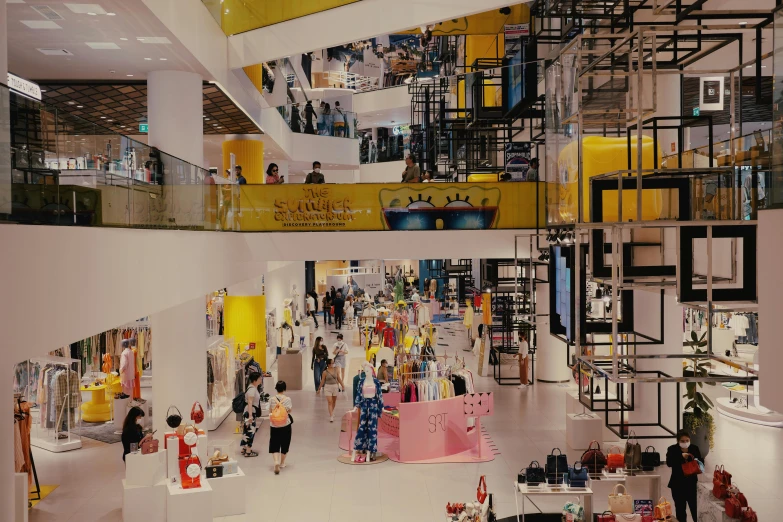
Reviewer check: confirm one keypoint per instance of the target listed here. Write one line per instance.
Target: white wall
(388, 172)
(326, 149)
(381, 100)
(279, 280)
(770, 277)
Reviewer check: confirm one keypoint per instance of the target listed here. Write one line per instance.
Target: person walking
(251, 413)
(309, 114)
(312, 309)
(295, 119)
(411, 174)
(683, 488)
(332, 383)
(332, 293)
(339, 121)
(340, 354)
(280, 437)
(318, 362)
(349, 312)
(522, 352)
(339, 310)
(327, 304)
(315, 177)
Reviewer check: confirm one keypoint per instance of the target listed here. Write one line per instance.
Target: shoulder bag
(650, 459)
(628, 517)
(721, 480)
(749, 516)
(197, 413)
(663, 509)
(173, 419)
(620, 502)
(577, 475)
(593, 458)
(633, 452)
(606, 516)
(481, 495)
(556, 466)
(190, 472)
(691, 467)
(534, 473)
(732, 506)
(615, 460)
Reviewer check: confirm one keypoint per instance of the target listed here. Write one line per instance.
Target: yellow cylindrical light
(249, 153)
(245, 322)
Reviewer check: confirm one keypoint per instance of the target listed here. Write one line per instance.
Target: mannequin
(294, 301)
(285, 338)
(288, 313)
(468, 320)
(127, 367)
(370, 404)
(433, 288)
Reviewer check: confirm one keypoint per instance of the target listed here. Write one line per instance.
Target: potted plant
(696, 418)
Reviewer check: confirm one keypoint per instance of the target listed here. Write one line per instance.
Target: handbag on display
(627, 517)
(481, 496)
(606, 516)
(647, 514)
(574, 508)
(190, 472)
(593, 458)
(521, 478)
(615, 460)
(214, 471)
(650, 459)
(691, 467)
(633, 452)
(749, 516)
(535, 473)
(620, 502)
(577, 475)
(197, 413)
(732, 506)
(556, 466)
(663, 510)
(149, 445)
(173, 419)
(217, 459)
(721, 480)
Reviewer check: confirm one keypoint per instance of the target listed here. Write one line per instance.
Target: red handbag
(721, 480)
(190, 480)
(615, 461)
(481, 496)
(691, 467)
(733, 507)
(197, 413)
(749, 516)
(606, 516)
(593, 458)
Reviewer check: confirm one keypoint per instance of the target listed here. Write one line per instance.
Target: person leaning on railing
(272, 176)
(411, 174)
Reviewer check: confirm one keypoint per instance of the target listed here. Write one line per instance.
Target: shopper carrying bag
(280, 421)
(683, 487)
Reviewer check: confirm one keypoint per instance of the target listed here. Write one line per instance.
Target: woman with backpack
(252, 411)
(280, 421)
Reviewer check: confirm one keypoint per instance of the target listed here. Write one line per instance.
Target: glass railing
(308, 118)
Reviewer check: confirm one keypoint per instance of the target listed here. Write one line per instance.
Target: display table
(97, 409)
(144, 503)
(145, 470)
(390, 422)
(640, 485)
(228, 494)
(172, 456)
(289, 369)
(191, 505)
(709, 508)
(749, 413)
(524, 491)
(582, 429)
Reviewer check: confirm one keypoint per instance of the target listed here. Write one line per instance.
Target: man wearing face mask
(315, 177)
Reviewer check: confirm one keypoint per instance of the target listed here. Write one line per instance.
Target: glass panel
(774, 193)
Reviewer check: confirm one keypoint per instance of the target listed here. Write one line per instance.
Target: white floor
(526, 426)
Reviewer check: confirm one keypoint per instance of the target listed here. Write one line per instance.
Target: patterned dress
(371, 409)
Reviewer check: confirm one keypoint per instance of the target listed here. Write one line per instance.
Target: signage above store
(516, 30)
(24, 87)
(144, 127)
(696, 111)
(401, 129)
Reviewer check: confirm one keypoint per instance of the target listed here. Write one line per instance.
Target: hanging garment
(127, 371)
(371, 409)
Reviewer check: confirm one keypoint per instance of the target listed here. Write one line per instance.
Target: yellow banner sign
(419, 206)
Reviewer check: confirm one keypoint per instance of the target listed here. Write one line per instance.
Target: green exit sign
(696, 111)
(144, 127)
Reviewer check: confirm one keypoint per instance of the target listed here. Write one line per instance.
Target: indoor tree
(697, 419)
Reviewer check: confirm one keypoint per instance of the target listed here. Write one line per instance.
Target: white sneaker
(522, 387)
(331, 419)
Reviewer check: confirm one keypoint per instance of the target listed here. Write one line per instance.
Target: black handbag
(556, 466)
(214, 471)
(173, 419)
(535, 474)
(650, 459)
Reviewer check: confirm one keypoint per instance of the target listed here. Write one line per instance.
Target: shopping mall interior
(562, 319)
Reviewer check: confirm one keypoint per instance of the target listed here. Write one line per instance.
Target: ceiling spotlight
(103, 117)
(148, 59)
(80, 106)
(163, 59)
(109, 120)
(111, 14)
(124, 39)
(92, 14)
(129, 75)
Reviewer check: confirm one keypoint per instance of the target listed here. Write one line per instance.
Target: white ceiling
(131, 20)
(385, 118)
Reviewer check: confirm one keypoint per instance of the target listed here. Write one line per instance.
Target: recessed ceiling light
(103, 117)
(92, 14)
(129, 75)
(148, 59)
(102, 46)
(109, 120)
(153, 39)
(226, 11)
(124, 39)
(214, 124)
(71, 103)
(207, 119)
(163, 59)
(90, 9)
(80, 106)
(140, 39)
(40, 24)
(111, 14)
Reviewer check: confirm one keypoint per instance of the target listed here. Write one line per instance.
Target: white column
(180, 374)
(3, 43)
(7, 442)
(5, 136)
(770, 252)
(551, 353)
(175, 114)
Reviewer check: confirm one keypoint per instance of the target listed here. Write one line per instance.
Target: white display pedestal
(583, 428)
(144, 503)
(217, 415)
(57, 446)
(708, 507)
(639, 486)
(21, 492)
(120, 412)
(229, 492)
(574, 406)
(189, 505)
(145, 470)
